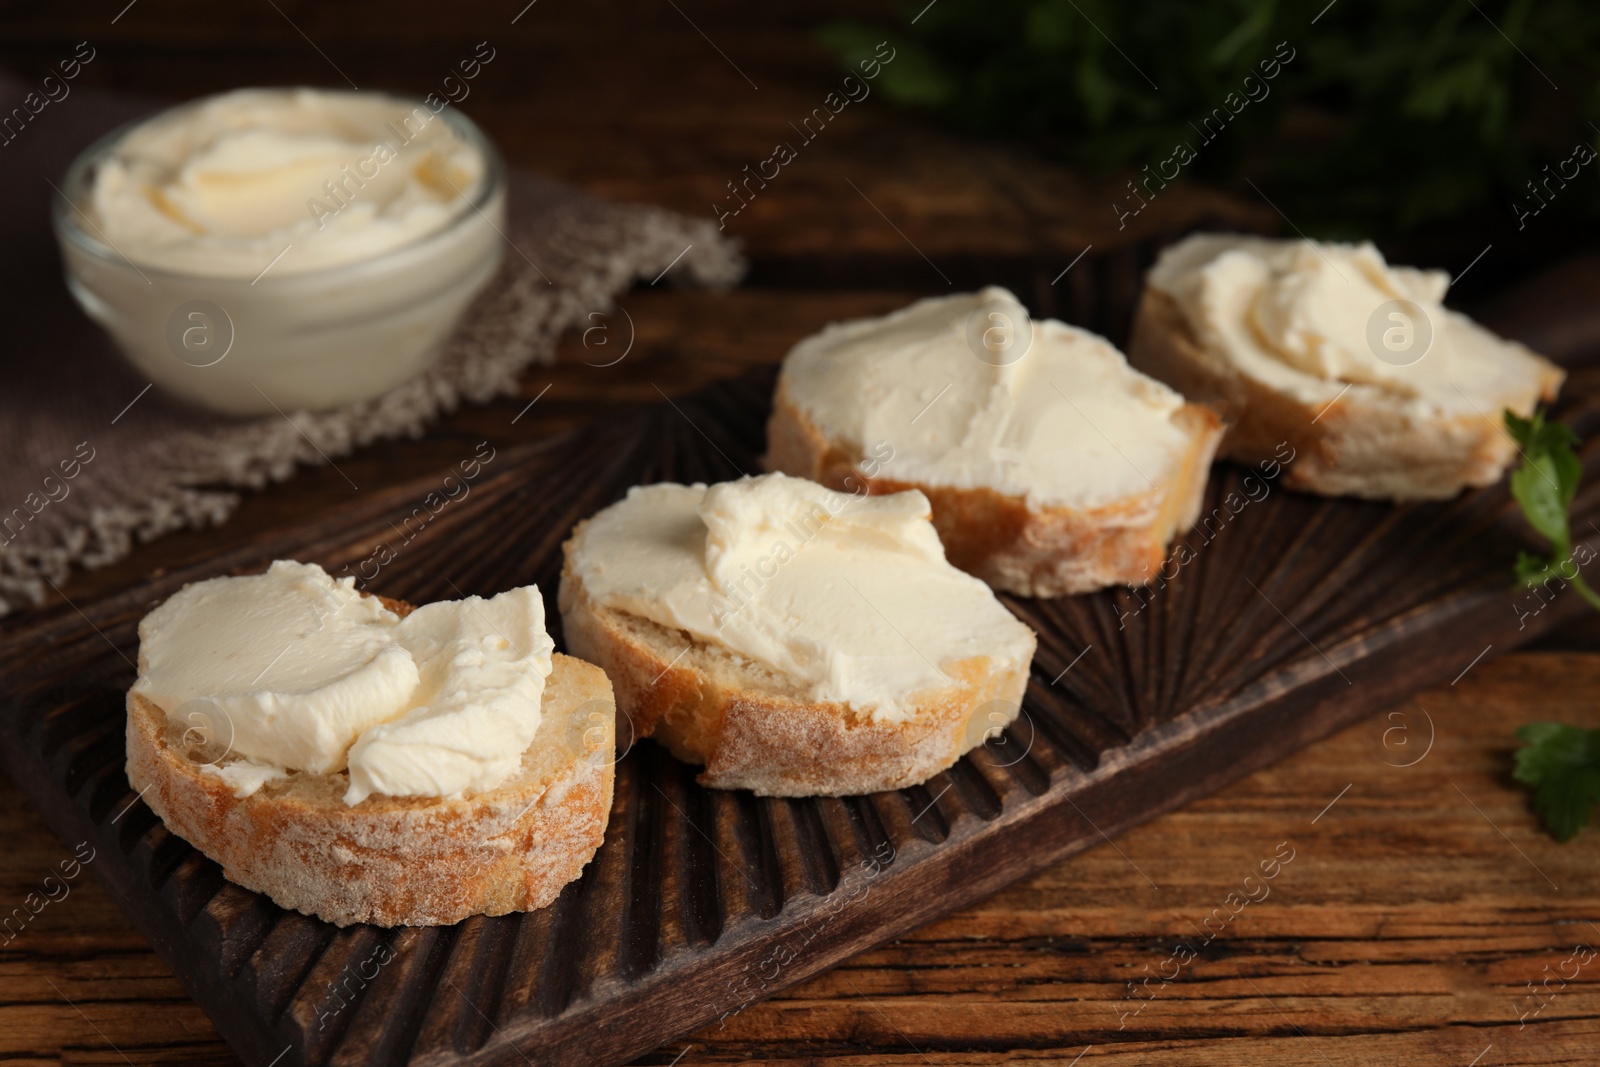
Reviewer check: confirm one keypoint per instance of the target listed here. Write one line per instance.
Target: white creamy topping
(1067, 422)
(1308, 318)
(293, 670)
(245, 776)
(483, 664)
(222, 186)
(849, 597)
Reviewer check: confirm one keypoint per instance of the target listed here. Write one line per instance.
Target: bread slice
(1357, 440)
(753, 729)
(398, 861)
(1038, 551)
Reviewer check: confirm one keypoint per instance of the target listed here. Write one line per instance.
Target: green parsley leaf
(1562, 764)
(1535, 486)
(1544, 484)
(1548, 479)
(1533, 570)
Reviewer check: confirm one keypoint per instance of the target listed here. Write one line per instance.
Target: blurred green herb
(1544, 484)
(1562, 764)
(1392, 114)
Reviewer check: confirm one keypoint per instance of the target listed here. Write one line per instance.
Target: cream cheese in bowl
(282, 249)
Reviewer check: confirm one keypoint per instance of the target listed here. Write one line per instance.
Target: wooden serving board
(1296, 616)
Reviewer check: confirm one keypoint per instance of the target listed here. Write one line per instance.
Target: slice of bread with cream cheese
(1051, 465)
(792, 639)
(361, 760)
(1329, 354)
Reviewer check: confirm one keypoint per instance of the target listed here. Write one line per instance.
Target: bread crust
(1363, 443)
(392, 861)
(1031, 551)
(710, 707)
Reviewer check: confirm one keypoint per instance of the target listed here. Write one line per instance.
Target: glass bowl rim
(65, 212)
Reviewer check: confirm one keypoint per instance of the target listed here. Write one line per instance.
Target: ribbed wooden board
(1299, 616)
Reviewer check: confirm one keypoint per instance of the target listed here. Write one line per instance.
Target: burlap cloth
(163, 465)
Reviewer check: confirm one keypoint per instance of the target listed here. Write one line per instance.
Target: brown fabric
(161, 464)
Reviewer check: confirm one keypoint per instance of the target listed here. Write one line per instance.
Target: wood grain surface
(702, 902)
(1418, 908)
(1407, 929)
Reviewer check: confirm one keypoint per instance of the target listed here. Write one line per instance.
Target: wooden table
(1423, 903)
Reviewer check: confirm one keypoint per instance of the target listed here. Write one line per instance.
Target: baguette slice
(753, 729)
(1028, 550)
(399, 861)
(1351, 440)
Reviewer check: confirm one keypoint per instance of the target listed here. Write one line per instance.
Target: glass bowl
(307, 340)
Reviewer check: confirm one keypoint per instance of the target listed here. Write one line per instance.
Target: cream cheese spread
(223, 186)
(1310, 318)
(1059, 418)
(293, 670)
(849, 597)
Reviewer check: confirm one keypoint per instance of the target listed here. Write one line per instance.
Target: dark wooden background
(1422, 907)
